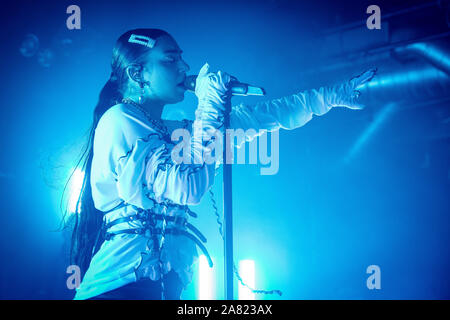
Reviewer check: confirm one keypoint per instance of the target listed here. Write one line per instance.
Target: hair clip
(145, 41)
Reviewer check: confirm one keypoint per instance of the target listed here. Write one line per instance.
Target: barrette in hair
(145, 41)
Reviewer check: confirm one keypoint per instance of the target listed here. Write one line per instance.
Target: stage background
(354, 188)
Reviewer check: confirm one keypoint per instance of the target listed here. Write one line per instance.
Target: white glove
(212, 87)
(346, 94)
(212, 91)
(296, 110)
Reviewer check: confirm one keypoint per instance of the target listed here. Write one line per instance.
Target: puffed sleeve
(289, 112)
(140, 157)
(181, 183)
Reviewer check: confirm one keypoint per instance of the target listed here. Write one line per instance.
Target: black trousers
(146, 290)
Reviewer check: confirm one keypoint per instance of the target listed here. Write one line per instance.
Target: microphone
(237, 88)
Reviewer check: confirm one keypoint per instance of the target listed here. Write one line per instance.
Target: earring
(141, 97)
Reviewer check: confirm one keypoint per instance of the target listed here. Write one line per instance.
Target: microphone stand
(227, 206)
(242, 89)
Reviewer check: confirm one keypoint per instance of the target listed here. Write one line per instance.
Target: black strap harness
(149, 219)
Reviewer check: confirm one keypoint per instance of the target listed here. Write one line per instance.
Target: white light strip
(247, 273)
(75, 188)
(205, 280)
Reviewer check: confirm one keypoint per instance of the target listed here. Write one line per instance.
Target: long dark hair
(87, 220)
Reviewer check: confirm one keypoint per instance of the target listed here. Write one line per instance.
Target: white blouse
(132, 170)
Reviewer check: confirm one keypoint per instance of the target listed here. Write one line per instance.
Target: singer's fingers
(364, 78)
(225, 77)
(204, 70)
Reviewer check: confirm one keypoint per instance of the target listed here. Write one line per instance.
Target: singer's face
(166, 71)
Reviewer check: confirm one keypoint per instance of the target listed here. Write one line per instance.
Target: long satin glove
(296, 110)
(212, 91)
(347, 94)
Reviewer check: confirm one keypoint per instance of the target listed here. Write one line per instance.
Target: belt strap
(146, 217)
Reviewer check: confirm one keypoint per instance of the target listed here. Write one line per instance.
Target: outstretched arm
(294, 111)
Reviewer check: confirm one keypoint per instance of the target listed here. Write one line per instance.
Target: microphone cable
(236, 272)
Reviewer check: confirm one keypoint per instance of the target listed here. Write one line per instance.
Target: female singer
(132, 238)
